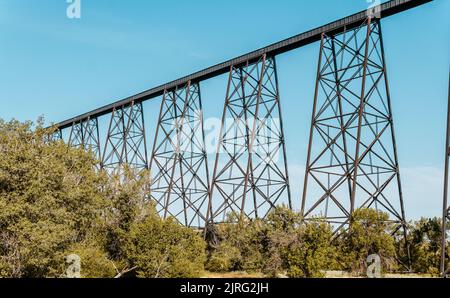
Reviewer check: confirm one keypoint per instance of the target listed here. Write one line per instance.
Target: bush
(53, 202)
(370, 233)
(299, 250)
(95, 262)
(310, 253)
(425, 245)
(50, 199)
(278, 245)
(240, 246)
(164, 248)
(281, 231)
(126, 207)
(224, 258)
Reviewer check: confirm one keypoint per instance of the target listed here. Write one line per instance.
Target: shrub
(370, 233)
(224, 258)
(240, 246)
(273, 246)
(310, 253)
(299, 250)
(164, 248)
(95, 262)
(50, 199)
(281, 231)
(126, 207)
(425, 245)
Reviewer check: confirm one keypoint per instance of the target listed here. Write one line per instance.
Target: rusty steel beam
(384, 10)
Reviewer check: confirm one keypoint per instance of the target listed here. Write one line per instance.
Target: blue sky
(59, 67)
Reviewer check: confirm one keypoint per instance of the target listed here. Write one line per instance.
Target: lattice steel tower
(250, 174)
(180, 184)
(352, 158)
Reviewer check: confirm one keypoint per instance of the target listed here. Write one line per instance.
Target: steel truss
(54, 136)
(445, 270)
(180, 184)
(85, 134)
(250, 173)
(125, 141)
(352, 158)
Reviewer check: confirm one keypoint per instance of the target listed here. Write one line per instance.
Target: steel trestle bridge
(352, 157)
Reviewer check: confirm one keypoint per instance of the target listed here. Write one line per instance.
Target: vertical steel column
(446, 208)
(180, 184)
(352, 158)
(250, 171)
(125, 140)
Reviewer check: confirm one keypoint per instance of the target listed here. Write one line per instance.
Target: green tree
(164, 248)
(299, 250)
(281, 231)
(310, 253)
(276, 245)
(370, 233)
(141, 243)
(50, 199)
(95, 261)
(425, 245)
(240, 245)
(54, 203)
(125, 193)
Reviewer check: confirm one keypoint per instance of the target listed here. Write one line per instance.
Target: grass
(328, 274)
(233, 274)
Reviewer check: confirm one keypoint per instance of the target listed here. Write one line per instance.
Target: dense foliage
(425, 245)
(50, 199)
(164, 249)
(276, 246)
(371, 233)
(55, 203)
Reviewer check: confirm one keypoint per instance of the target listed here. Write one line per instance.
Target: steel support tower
(180, 183)
(125, 141)
(352, 158)
(85, 134)
(250, 174)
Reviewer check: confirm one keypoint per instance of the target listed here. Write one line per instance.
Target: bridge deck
(297, 41)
